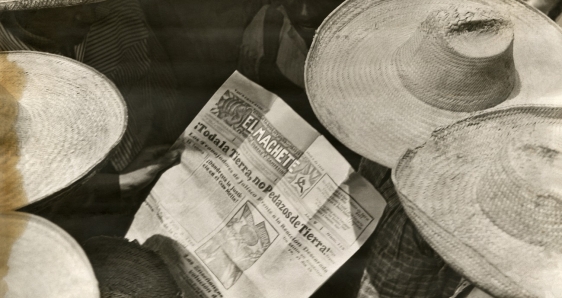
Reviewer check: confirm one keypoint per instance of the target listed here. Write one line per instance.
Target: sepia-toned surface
(168, 57)
(260, 204)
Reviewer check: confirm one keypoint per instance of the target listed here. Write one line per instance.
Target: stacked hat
(59, 120)
(486, 194)
(382, 75)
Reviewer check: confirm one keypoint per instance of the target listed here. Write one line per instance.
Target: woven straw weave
(486, 194)
(37, 4)
(382, 75)
(69, 119)
(41, 260)
(125, 269)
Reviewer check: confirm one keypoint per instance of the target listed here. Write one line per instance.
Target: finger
(179, 145)
(173, 157)
(177, 156)
(168, 160)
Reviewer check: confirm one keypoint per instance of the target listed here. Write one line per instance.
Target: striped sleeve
(123, 47)
(8, 42)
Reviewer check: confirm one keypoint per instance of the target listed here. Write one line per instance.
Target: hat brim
(438, 186)
(39, 4)
(357, 94)
(69, 120)
(42, 260)
(127, 269)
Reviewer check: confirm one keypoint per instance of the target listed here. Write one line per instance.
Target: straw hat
(38, 259)
(382, 75)
(59, 119)
(126, 269)
(485, 193)
(37, 4)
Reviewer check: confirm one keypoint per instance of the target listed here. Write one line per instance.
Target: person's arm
(104, 185)
(151, 162)
(111, 192)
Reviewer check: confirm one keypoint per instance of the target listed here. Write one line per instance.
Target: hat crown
(459, 59)
(540, 166)
(522, 192)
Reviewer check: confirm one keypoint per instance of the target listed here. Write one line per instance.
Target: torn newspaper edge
(260, 205)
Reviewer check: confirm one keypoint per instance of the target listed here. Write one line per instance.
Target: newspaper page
(260, 205)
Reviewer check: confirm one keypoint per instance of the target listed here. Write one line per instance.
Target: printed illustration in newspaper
(260, 205)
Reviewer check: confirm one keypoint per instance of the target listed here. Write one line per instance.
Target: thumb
(168, 160)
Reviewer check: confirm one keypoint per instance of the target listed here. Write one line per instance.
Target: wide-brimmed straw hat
(59, 119)
(382, 75)
(486, 194)
(38, 4)
(38, 259)
(127, 269)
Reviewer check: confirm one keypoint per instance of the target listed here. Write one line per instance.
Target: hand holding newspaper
(260, 205)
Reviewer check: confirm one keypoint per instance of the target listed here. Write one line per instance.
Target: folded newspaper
(261, 205)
